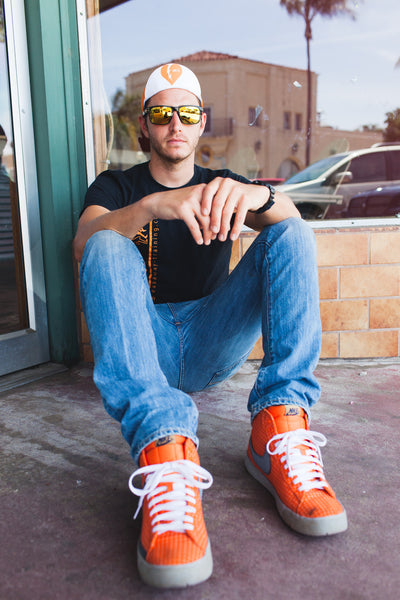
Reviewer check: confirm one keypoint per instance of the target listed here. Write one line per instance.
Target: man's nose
(175, 122)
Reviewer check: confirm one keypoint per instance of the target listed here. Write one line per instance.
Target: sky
(358, 82)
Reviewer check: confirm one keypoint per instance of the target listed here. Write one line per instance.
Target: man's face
(175, 141)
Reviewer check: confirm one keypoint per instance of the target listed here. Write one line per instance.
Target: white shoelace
(304, 467)
(171, 510)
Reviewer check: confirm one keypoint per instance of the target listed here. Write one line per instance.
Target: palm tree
(125, 111)
(308, 9)
(122, 124)
(2, 33)
(392, 131)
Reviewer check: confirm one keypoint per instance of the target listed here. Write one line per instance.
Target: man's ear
(143, 126)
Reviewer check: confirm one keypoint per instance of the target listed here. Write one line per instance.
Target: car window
(315, 170)
(379, 205)
(395, 163)
(369, 167)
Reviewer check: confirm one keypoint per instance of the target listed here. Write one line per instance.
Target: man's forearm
(126, 221)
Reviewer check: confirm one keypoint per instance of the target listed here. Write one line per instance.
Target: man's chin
(174, 157)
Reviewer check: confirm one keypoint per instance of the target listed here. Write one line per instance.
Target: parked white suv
(324, 189)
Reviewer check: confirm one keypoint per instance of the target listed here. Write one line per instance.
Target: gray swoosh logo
(262, 462)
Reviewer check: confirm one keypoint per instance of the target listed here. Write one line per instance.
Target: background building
(256, 116)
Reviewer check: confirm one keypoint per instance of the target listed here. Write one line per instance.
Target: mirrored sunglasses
(162, 115)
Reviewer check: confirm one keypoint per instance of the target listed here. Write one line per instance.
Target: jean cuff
(136, 452)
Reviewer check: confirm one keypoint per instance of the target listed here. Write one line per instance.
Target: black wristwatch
(270, 202)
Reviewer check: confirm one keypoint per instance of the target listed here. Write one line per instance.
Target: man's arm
(127, 221)
(183, 204)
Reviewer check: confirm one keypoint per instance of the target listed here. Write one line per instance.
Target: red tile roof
(205, 55)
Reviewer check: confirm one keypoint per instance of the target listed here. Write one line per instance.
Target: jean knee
(109, 255)
(293, 231)
(104, 242)
(109, 246)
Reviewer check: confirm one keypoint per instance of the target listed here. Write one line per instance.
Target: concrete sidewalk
(66, 527)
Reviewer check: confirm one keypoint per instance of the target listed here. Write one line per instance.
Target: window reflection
(13, 311)
(255, 94)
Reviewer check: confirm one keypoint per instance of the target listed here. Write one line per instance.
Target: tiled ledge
(359, 278)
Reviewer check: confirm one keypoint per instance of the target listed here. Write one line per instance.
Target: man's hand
(227, 198)
(224, 198)
(207, 209)
(184, 204)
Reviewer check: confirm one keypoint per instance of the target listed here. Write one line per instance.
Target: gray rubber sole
(175, 576)
(318, 526)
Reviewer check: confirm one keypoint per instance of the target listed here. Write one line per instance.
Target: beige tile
(344, 315)
(246, 243)
(235, 255)
(363, 282)
(84, 332)
(329, 348)
(328, 278)
(384, 312)
(87, 354)
(336, 249)
(385, 247)
(257, 352)
(368, 344)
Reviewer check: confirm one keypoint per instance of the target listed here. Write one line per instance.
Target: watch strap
(269, 203)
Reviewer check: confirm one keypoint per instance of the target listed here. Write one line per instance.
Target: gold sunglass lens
(160, 115)
(190, 115)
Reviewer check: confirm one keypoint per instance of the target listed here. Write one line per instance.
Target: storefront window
(252, 64)
(13, 313)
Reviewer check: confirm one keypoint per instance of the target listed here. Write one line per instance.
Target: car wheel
(310, 212)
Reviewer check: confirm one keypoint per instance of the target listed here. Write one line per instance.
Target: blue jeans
(148, 357)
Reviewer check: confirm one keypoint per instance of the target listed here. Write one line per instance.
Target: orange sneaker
(173, 550)
(284, 456)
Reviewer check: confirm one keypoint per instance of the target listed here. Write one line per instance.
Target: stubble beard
(169, 158)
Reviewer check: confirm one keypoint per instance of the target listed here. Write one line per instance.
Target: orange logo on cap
(171, 72)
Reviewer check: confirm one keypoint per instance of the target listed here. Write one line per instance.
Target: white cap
(171, 76)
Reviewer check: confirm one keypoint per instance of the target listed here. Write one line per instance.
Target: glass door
(23, 320)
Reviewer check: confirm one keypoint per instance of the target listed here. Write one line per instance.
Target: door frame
(29, 346)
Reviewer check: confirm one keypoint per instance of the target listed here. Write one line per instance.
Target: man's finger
(238, 223)
(209, 192)
(226, 215)
(194, 227)
(222, 200)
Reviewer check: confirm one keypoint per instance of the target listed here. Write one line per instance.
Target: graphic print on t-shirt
(142, 237)
(148, 236)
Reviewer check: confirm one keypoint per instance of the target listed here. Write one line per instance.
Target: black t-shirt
(178, 269)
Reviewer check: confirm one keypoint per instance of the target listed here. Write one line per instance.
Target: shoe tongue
(288, 417)
(165, 449)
